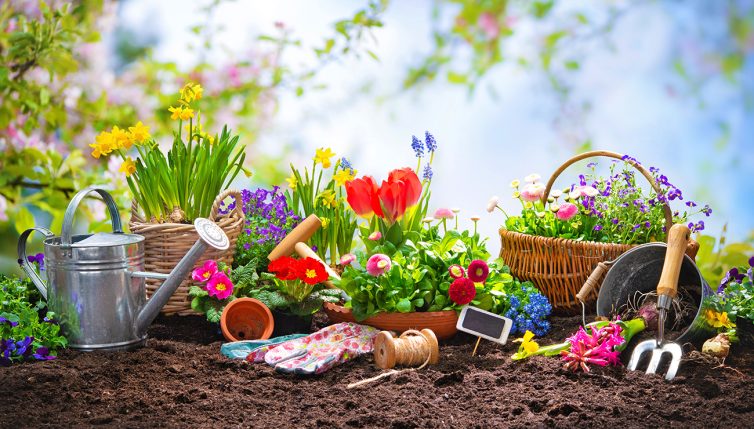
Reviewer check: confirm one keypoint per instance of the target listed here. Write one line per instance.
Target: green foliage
(612, 209)
(189, 178)
(21, 304)
(715, 256)
(310, 195)
(418, 279)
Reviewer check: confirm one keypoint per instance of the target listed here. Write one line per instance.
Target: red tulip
(393, 199)
(414, 186)
(362, 197)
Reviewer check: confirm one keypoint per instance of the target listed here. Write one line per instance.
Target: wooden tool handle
(301, 233)
(303, 250)
(593, 281)
(678, 240)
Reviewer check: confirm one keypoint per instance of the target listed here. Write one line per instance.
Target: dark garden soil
(181, 380)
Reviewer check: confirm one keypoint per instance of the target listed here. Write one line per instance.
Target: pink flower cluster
(598, 348)
(217, 282)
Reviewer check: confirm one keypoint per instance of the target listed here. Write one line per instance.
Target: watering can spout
(210, 235)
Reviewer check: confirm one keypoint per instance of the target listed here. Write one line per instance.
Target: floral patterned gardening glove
(320, 351)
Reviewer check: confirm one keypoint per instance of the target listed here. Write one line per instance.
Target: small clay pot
(287, 324)
(246, 319)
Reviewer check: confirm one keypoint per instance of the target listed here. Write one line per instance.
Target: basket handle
(238, 210)
(609, 154)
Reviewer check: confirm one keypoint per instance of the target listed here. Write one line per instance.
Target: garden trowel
(667, 290)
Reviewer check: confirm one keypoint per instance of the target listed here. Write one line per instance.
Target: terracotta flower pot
(442, 323)
(246, 319)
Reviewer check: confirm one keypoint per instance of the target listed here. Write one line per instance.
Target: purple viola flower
(690, 203)
(707, 210)
(430, 141)
(615, 221)
(8, 321)
(637, 226)
(731, 275)
(23, 347)
(43, 353)
(247, 246)
(647, 224)
(598, 227)
(654, 169)
(591, 165)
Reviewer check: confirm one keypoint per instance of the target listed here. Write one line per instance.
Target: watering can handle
(24, 262)
(70, 212)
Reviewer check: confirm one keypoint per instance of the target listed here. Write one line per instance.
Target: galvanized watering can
(95, 282)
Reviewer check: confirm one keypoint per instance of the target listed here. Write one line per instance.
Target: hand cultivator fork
(667, 290)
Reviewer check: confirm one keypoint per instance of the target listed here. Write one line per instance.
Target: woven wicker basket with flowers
(172, 189)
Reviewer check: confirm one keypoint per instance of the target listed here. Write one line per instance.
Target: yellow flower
(718, 320)
(292, 182)
(128, 167)
(211, 139)
(327, 198)
(139, 133)
(323, 156)
(103, 144)
(121, 139)
(175, 112)
(187, 113)
(527, 344)
(344, 176)
(191, 92)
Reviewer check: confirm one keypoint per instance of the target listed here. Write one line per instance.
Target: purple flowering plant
(268, 221)
(612, 209)
(24, 334)
(735, 295)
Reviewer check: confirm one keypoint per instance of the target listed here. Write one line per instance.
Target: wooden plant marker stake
(484, 324)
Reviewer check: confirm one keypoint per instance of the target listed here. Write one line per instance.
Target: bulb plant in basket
(181, 185)
(611, 209)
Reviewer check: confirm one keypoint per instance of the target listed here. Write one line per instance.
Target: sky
(486, 140)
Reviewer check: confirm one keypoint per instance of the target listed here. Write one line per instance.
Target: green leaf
(404, 306)
(24, 219)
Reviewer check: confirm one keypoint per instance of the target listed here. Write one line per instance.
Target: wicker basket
(166, 243)
(559, 267)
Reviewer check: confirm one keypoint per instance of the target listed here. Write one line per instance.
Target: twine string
(411, 349)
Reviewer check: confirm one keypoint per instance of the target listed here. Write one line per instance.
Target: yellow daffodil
(103, 144)
(527, 344)
(128, 167)
(323, 156)
(139, 133)
(292, 182)
(209, 138)
(344, 176)
(183, 113)
(121, 139)
(175, 112)
(191, 92)
(327, 198)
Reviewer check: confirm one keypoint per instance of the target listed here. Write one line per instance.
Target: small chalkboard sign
(484, 324)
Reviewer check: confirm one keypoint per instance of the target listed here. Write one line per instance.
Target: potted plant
(409, 275)
(561, 235)
(172, 189)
